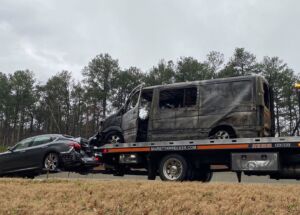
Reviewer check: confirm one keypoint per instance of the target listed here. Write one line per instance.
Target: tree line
(76, 107)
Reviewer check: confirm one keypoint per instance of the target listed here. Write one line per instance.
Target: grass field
(142, 197)
(3, 148)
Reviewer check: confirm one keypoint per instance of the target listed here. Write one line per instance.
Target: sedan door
(5, 162)
(16, 158)
(37, 151)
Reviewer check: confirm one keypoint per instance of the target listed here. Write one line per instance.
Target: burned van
(219, 108)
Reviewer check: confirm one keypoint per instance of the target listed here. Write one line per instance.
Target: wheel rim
(51, 162)
(173, 169)
(114, 139)
(222, 135)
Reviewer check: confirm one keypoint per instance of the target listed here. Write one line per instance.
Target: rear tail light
(104, 151)
(75, 145)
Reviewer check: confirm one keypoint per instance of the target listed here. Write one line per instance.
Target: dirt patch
(132, 197)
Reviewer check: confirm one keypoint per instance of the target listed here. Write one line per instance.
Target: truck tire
(204, 176)
(151, 170)
(173, 167)
(119, 171)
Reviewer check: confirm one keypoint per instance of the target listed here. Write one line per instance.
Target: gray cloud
(50, 36)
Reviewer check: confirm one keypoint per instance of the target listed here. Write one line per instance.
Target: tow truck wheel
(173, 168)
(204, 176)
(119, 171)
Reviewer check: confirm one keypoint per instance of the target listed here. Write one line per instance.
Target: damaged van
(219, 108)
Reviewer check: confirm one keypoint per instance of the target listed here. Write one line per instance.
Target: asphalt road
(217, 177)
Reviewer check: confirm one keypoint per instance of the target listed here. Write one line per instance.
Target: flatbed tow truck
(189, 160)
(278, 157)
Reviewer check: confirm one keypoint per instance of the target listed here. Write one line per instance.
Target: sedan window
(24, 144)
(42, 140)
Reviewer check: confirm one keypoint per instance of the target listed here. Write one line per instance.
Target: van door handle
(22, 151)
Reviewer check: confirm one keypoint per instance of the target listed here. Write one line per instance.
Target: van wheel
(173, 167)
(113, 137)
(223, 133)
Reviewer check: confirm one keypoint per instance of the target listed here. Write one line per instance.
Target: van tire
(113, 137)
(223, 132)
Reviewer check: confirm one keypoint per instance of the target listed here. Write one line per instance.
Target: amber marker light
(297, 86)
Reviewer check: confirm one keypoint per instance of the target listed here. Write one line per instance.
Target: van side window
(178, 98)
(190, 97)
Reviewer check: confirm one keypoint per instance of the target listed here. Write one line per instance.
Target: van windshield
(132, 102)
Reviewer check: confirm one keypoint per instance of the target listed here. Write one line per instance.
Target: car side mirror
(10, 149)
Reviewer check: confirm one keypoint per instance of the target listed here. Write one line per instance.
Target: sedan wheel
(51, 161)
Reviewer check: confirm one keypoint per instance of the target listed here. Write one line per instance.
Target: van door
(176, 114)
(130, 117)
(187, 116)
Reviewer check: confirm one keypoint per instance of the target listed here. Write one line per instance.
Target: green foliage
(214, 62)
(124, 83)
(242, 63)
(190, 69)
(281, 79)
(163, 73)
(99, 77)
(56, 102)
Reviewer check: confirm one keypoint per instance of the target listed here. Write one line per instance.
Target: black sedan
(38, 154)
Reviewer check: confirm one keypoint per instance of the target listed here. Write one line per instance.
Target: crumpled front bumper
(96, 139)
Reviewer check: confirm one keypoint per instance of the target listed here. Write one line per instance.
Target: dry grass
(142, 197)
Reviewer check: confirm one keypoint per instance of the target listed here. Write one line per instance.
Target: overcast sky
(49, 36)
